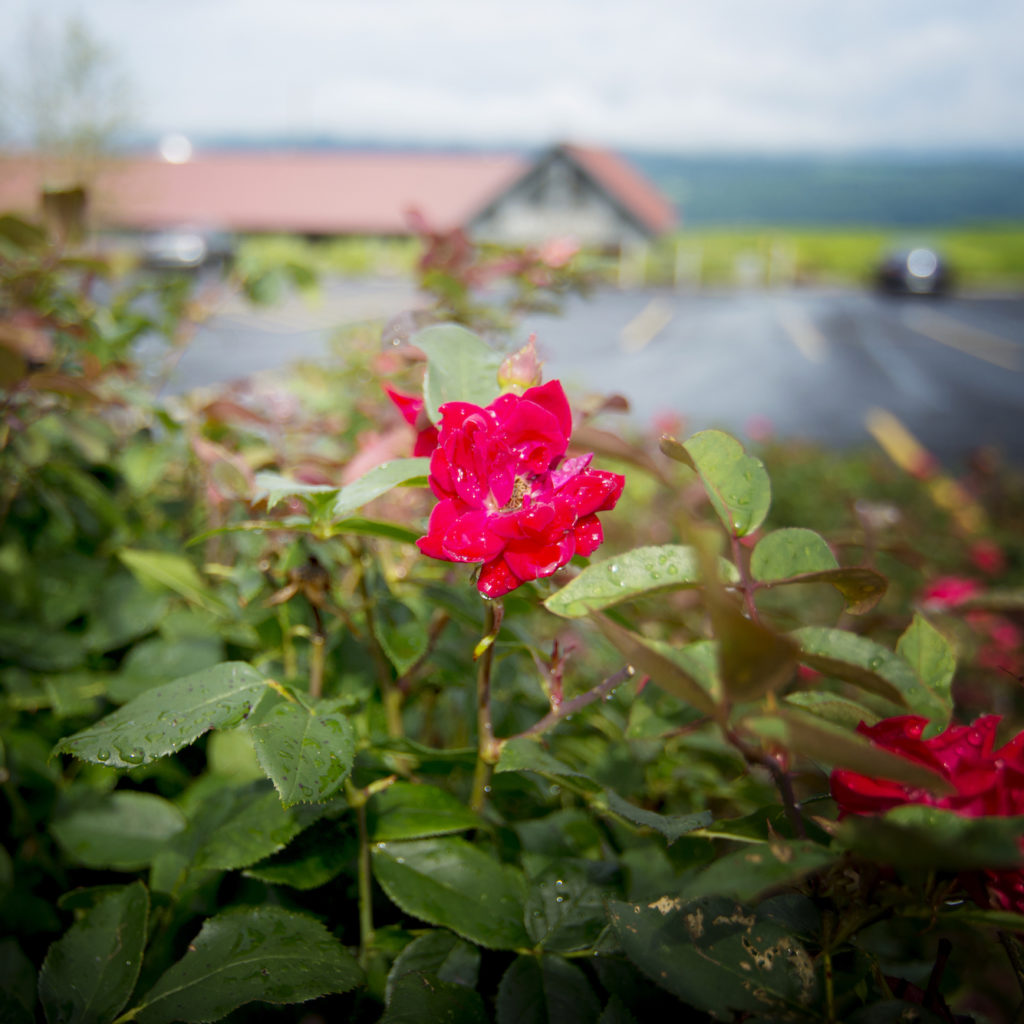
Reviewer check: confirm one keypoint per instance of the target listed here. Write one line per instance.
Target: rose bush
(986, 781)
(509, 497)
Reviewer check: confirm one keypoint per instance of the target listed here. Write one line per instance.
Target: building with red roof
(590, 195)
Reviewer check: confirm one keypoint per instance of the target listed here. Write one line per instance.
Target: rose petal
(551, 396)
(469, 539)
(530, 560)
(408, 405)
(589, 534)
(497, 579)
(441, 518)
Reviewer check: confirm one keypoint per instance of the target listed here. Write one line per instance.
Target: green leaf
(236, 827)
(717, 956)
(263, 953)
(801, 556)
(746, 873)
(753, 659)
(616, 1013)
(90, 971)
(167, 718)
(17, 984)
(930, 655)
(120, 831)
(669, 826)
(378, 481)
(450, 883)
(403, 636)
(173, 572)
(833, 745)
(834, 709)
(306, 752)
(160, 660)
(1005, 920)
(275, 488)
(123, 610)
(917, 836)
(460, 368)
(376, 528)
(440, 954)
(782, 554)
(874, 668)
(564, 909)
(525, 755)
(317, 855)
(636, 573)
(406, 810)
(546, 990)
(895, 1011)
(736, 483)
(424, 998)
(644, 656)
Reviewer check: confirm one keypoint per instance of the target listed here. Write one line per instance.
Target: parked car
(918, 271)
(187, 248)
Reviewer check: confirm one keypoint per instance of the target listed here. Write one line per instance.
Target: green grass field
(981, 257)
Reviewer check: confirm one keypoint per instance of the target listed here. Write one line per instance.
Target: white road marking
(802, 331)
(647, 324)
(984, 345)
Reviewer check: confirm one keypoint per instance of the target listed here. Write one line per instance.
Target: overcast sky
(677, 75)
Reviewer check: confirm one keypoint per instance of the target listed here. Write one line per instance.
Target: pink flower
(509, 498)
(948, 591)
(988, 557)
(415, 414)
(986, 782)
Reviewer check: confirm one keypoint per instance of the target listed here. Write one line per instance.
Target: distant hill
(883, 190)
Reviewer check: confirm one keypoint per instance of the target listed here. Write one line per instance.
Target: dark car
(187, 248)
(919, 271)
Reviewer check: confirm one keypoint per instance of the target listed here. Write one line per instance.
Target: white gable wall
(556, 200)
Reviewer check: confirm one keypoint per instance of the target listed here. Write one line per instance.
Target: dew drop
(613, 568)
(102, 755)
(134, 756)
(559, 899)
(487, 789)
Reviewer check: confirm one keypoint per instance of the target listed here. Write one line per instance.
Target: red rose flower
(986, 782)
(947, 592)
(413, 412)
(508, 496)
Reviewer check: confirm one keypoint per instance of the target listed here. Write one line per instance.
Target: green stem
(780, 777)
(391, 695)
(357, 798)
(1015, 951)
(747, 582)
(316, 665)
(288, 655)
(488, 750)
(570, 707)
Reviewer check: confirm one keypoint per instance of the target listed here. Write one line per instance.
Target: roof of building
(322, 193)
(622, 181)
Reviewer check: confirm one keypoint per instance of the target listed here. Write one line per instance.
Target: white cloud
(660, 73)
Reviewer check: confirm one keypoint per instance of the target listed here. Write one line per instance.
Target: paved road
(813, 363)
